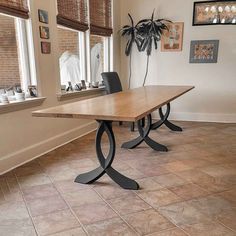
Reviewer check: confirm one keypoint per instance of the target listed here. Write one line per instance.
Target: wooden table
(132, 105)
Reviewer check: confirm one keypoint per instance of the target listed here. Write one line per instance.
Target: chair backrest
(112, 82)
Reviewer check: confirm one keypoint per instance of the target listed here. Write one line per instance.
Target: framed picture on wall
(204, 51)
(45, 47)
(44, 32)
(214, 13)
(172, 39)
(43, 16)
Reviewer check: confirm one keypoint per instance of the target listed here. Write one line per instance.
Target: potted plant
(19, 94)
(131, 33)
(145, 33)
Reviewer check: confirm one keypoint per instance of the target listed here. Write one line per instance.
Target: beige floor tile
(33, 180)
(113, 227)
(55, 222)
(189, 191)
(45, 205)
(153, 170)
(13, 211)
(169, 180)
(176, 166)
(39, 191)
(20, 227)
(207, 228)
(66, 186)
(170, 232)
(31, 168)
(230, 196)
(182, 213)
(127, 205)
(193, 176)
(148, 221)
(217, 170)
(71, 232)
(91, 213)
(159, 198)
(133, 174)
(112, 190)
(210, 206)
(228, 218)
(82, 197)
(148, 184)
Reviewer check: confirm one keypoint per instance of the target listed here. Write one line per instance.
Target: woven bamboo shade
(100, 17)
(73, 14)
(17, 8)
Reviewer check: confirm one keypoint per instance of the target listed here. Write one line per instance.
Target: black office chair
(113, 85)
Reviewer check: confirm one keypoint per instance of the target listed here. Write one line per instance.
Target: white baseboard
(200, 117)
(32, 152)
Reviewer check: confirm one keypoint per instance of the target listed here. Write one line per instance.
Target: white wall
(23, 137)
(214, 98)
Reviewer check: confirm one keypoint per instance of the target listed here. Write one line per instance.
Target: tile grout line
(31, 217)
(161, 214)
(69, 207)
(218, 221)
(116, 212)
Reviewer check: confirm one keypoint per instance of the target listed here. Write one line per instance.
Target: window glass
(69, 56)
(10, 73)
(97, 45)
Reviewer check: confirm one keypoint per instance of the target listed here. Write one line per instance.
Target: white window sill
(16, 106)
(82, 93)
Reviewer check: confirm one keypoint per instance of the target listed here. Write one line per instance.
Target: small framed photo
(44, 32)
(204, 51)
(43, 16)
(172, 39)
(45, 47)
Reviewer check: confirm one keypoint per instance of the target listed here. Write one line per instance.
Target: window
(83, 54)
(71, 56)
(16, 70)
(72, 23)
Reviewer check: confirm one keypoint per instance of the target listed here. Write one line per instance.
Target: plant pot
(4, 99)
(20, 96)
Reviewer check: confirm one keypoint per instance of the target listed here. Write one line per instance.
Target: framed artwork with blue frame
(204, 51)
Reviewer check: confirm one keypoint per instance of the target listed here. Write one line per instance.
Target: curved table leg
(122, 180)
(91, 176)
(132, 144)
(164, 120)
(106, 162)
(144, 132)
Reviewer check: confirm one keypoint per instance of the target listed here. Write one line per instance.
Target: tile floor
(191, 190)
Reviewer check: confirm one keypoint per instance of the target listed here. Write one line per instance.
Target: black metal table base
(144, 132)
(106, 162)
(164, 120)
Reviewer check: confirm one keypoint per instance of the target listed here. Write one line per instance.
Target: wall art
(204, 51)
(214, 13)
(45, 47)
(44, 32)
(172, 39)
(43, 16)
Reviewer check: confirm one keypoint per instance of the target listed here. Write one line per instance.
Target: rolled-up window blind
(17, 8)
(73, 14)
(100, 12)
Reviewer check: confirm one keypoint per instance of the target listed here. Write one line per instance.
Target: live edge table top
(130, 105)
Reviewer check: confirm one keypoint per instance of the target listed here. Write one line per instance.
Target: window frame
(25, 51)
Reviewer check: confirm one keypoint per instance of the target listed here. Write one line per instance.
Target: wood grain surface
(130, 105)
